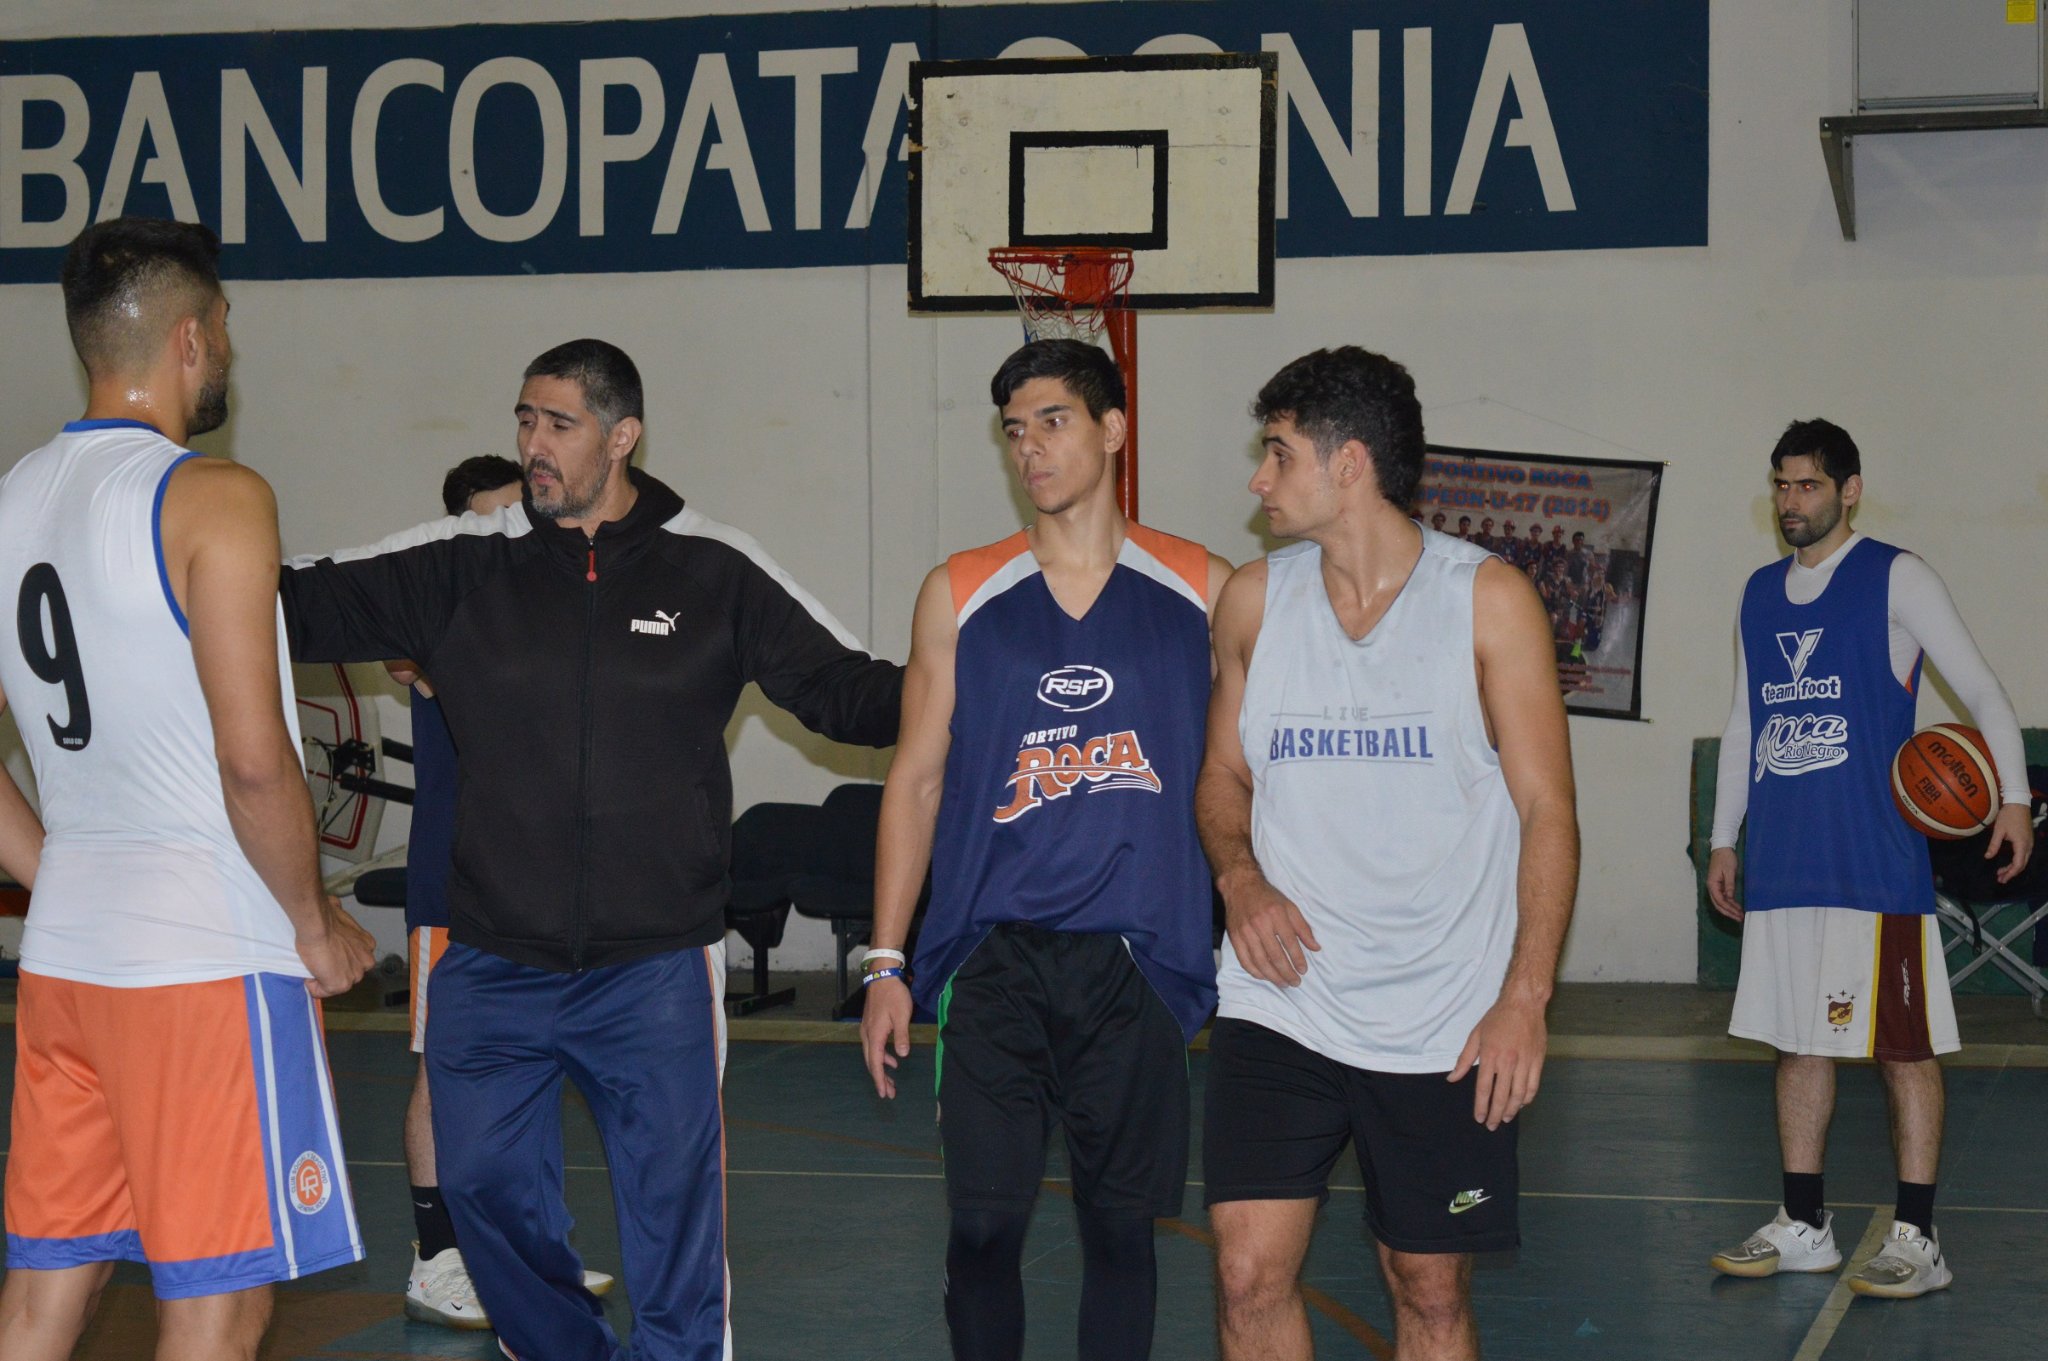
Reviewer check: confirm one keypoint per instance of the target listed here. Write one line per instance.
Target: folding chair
(1968, 895)
(1967, 930)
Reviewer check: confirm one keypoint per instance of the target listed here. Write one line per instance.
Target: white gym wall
(858, 445)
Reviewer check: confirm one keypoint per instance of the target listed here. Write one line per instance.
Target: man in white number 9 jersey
(172, 1104)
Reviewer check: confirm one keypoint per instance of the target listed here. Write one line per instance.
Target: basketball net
(1082, 293)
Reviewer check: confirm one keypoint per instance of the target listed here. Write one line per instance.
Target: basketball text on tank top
(1380, 811)
(1070, 785)
(1826, 715)
(142, 882)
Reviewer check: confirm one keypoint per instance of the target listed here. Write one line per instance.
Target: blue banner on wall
(775, 140)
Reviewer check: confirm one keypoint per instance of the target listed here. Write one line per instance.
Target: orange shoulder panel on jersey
(1187, 560)
(967, 571)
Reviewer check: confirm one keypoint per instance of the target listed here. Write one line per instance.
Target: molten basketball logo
(311, 1186)
(1944, 783)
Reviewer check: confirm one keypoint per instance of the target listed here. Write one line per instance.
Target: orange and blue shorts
(424, 946)
(189, 1127)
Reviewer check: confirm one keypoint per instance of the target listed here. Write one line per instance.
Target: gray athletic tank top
(1379, 809)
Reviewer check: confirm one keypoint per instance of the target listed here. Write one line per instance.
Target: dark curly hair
(1087, 370)
(1825, 443)
(1351, 393)
(484, 472)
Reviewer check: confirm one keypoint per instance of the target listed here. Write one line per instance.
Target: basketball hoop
(1067, 292)
(1078, 293)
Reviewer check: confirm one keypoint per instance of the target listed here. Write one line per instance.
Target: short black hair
(1826, 443)
(607, 375)
(1351, 393)
(127, 279)
(1088, 371)
(485, 472)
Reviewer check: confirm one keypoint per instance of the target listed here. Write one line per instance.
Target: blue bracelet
(883, 973)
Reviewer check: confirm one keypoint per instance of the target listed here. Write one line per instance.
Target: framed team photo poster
(1581, 529)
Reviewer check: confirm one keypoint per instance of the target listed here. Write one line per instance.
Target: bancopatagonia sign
(777, 140)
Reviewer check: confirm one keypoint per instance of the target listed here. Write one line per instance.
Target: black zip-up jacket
(588, 683)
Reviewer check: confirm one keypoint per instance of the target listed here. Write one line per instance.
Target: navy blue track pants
(645, 1044)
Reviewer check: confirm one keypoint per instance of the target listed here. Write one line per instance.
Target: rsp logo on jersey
(1075, 689)
(1111, 761)
(311, 1185)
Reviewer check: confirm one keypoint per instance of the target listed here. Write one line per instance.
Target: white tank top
(1379, 809)
(142, 882)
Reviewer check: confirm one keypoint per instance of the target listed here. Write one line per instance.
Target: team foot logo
(1466, 1200)
(311, 1185)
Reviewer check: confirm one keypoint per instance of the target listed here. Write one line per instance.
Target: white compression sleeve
(1731, 783)
(1922, 608)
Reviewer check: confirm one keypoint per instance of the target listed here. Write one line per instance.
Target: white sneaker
(1784, 1244)
(1909, 1264)
(439, 1291)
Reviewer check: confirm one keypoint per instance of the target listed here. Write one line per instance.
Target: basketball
(1944, 783)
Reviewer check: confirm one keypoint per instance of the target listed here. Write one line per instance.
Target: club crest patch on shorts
(311, 1185)
(1841, 1010)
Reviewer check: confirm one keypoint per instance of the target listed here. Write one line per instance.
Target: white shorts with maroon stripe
(1842, 983)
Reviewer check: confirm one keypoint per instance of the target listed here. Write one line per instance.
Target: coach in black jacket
(588, 648)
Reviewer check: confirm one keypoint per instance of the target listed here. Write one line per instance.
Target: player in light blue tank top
(1052, 736)
(1387, 801)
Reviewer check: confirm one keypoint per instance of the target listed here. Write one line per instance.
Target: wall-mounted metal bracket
(1838, 134)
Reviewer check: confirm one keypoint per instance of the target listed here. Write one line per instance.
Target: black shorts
(1278, 1115)
(1041, 1026)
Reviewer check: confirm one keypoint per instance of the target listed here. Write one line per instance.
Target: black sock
(430, 1221)
(1916, 1206)
(985, 1284)
(1803, 1197)
(1119, 1287)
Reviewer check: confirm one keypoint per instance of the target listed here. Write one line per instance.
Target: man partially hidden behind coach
(616, 627)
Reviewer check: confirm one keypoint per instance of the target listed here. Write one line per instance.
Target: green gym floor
(1651, 1146)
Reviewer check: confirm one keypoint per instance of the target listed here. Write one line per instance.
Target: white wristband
(873, 955)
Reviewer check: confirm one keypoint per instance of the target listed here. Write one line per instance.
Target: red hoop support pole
(1122, 325)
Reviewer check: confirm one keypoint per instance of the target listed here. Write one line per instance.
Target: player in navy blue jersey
(1052, 733)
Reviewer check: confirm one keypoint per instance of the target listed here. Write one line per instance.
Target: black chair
(1969, 897)
(381, 888)
(770, 843)
(838, 884)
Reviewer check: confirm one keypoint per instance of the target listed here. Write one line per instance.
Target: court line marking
(1620, 1048)
(1335, 1188)
(1837, 1305)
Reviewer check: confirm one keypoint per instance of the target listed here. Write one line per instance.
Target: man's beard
(1815, 527)
(211, 411)
(569, 506)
